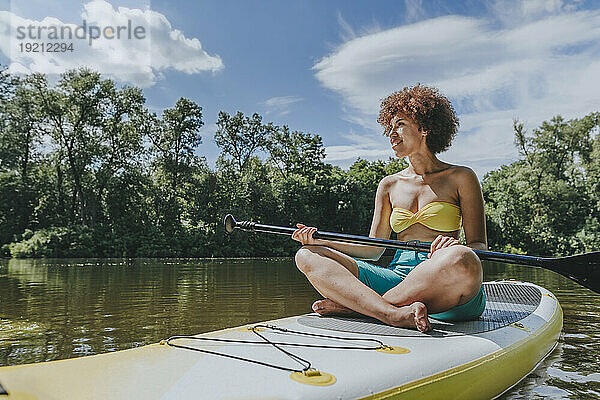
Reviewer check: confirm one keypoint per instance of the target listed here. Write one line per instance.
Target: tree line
(87, 170)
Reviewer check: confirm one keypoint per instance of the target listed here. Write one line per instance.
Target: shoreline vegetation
(87, 170)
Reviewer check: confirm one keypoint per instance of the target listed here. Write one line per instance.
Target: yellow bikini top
(438, 215)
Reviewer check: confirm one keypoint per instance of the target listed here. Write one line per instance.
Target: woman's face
(405, 137)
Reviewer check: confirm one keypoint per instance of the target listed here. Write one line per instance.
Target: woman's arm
(380, 228)
(471, 205)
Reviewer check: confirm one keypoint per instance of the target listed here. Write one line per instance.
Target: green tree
(294, 152)
(24, 128)
(541, 204)
(22, 131)
(175, 139)
(74, 120)
(120, 149)
(240, 137)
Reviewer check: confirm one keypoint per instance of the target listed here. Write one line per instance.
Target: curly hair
(431, 110)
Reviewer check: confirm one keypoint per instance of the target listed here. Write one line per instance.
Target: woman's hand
(441, 242)
(304, 234)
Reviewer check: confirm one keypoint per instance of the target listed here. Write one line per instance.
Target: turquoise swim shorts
(382, 279)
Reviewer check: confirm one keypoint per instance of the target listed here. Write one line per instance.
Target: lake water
(54, 309)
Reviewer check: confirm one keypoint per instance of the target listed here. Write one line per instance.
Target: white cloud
(347, 32)
(414, 10)
(532, 70)
(158, 47)
(363, 146)
(515, 12)
(280, 105)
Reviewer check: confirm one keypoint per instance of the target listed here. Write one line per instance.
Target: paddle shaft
(341, 237)
(582, 268)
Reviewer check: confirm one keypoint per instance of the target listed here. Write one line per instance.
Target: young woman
(426, 202)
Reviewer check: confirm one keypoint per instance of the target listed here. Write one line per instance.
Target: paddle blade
(583, 269)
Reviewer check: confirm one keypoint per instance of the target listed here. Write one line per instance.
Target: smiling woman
(427, 202)
(430, 111)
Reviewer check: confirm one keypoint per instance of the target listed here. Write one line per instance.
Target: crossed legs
(451, 277)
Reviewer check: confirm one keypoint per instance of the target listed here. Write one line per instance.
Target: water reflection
(53, 309)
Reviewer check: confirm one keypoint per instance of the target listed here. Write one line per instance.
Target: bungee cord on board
(256, 328)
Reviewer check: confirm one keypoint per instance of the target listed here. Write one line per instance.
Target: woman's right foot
(412, 316)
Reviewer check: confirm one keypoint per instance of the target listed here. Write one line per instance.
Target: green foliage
(15, 207)
(239, 137)
(54, 242)
(294, 152)
(87, 170)
(5, 251)
(175, 138)
(547, 202)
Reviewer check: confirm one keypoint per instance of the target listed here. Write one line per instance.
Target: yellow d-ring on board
(392, 350)
(251, 329)
(312, 377)
(520, 326)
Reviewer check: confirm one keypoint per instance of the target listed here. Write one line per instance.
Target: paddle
(583, 268)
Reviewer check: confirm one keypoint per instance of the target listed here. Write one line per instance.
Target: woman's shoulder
(388, 183)
(463, 175)
(392, 179)
(462, 170)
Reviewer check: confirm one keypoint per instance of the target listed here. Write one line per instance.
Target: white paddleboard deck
(471, 360)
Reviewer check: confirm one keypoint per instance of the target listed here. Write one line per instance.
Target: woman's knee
(320, 259)
(307, 258)
(463, 260)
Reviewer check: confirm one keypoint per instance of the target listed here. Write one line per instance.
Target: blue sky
(323, 66)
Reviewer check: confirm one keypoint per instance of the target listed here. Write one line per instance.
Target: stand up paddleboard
(314, 357)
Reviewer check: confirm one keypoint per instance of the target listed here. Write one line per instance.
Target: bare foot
(413, 316)
(330, 307)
